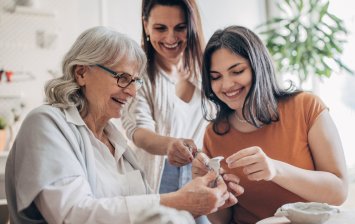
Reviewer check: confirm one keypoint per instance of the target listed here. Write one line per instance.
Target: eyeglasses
(123, 79)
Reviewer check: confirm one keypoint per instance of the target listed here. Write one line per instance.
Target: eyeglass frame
(137, 81)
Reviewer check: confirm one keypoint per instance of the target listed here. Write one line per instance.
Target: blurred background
(35, 34)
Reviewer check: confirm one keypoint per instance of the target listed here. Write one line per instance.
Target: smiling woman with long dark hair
(281, 143)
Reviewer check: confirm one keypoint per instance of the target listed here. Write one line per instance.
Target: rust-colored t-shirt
(285, 140)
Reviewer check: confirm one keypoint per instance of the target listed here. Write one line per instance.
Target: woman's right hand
(199, 199)
(180, 151)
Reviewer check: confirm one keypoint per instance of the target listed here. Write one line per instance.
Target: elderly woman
(70, 164)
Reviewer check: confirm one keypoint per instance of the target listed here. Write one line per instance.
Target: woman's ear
(145, 26)
(80, 73)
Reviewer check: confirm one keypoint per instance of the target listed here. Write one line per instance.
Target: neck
(239, 117)
(175, 70)
(96, 125)
(170, 66)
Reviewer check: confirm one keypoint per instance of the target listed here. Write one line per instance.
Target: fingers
(236, 189)
(180, 152)
(231, 178)
(244, 157)
(187, 148)
(209, 177)
(233, 183)
(203, 158)
(232, 200)
(253, 168)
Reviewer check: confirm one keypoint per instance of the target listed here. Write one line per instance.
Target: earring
(148, 39)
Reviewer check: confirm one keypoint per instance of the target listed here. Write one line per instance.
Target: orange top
(285, 140)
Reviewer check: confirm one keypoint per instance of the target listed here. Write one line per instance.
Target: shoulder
(306, 97)
(43, 116)
(45, 110)
(303, 106)
(209, 128)
(305, 100)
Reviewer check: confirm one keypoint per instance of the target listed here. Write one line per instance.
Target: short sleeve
(313, 106)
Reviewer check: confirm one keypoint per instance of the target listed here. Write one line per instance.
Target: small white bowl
(311, 212)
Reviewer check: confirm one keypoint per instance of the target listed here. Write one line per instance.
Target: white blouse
(158, 109)
(57, 163)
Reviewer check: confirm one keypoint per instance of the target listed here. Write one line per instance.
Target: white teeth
(119, 101)
(170, 45)
(230, 94)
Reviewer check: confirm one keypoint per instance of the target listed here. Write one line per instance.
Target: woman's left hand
(199, 165)
(256, 164)
(235, 190)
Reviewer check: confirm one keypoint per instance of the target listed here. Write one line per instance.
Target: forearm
(221, 217)
(70, 200)
(171, 200)
(318, 186)
(151, 142)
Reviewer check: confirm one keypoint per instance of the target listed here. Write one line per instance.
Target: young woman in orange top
(282, 143)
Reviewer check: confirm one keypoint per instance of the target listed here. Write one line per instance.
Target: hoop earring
(148, 39)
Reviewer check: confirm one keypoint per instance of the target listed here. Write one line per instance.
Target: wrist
(172, 200)
(277, 171)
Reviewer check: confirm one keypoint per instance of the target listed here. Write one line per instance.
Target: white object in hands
(311, 212)
(214, 163)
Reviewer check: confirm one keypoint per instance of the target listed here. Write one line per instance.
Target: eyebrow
(230, 67)
(161, 24)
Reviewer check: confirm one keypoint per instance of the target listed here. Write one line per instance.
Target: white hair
(98, 45)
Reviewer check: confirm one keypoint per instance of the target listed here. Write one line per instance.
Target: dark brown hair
(195, 41)
(260, 104)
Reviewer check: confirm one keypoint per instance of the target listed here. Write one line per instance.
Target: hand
(256, 164)
(235, 189)
(180, 151)
(199, 199)
(199, 165)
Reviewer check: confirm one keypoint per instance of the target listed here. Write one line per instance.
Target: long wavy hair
(98, 45)
(260, 104)
(192, 60)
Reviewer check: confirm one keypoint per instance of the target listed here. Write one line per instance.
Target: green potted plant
(305, 39)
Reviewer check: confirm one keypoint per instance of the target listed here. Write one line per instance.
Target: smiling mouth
(233, 93)
(171, 46)
(122, 102)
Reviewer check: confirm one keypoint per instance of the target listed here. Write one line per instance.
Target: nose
(227, 82)
(171, 37)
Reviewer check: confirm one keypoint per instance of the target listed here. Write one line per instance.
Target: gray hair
(98, 45)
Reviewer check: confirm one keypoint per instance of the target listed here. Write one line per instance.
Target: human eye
(215, 76)
(238, 72)
(181, 28)
(160, 28)
(125, 78)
